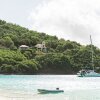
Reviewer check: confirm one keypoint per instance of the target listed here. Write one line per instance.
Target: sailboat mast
(92, 53)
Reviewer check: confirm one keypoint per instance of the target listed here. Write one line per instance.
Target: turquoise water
(75, 88)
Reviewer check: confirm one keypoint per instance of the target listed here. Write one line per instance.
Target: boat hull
(49, 91)
(88, 74)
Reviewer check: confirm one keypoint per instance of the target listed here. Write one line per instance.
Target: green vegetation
(60, 57)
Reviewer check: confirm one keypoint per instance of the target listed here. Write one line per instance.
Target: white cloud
(69, 19)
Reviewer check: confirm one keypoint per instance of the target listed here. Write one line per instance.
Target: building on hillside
(24, 47)
(41, 47)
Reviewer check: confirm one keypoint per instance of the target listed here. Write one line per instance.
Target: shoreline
(40, 74)
(22, 96)
(12, 95)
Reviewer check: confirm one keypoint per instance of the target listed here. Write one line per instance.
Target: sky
(72, 20)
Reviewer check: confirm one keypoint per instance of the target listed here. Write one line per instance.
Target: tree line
(62, 56)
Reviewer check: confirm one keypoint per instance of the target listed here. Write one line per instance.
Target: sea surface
(75, 88)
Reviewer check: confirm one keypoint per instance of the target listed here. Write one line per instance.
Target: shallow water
(75, 88)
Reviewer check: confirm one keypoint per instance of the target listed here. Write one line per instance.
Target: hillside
(23, 51)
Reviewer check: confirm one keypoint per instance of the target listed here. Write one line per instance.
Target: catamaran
(89, 73)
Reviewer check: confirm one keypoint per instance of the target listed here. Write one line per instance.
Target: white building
(24, 47)
(41, 47)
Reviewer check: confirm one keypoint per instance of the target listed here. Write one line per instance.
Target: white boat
(89, 73)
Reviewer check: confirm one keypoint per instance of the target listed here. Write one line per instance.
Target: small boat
(49, 91)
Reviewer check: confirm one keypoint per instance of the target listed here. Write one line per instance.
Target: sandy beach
(7, 95)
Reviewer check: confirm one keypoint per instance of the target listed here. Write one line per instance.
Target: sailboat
(89, 73)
